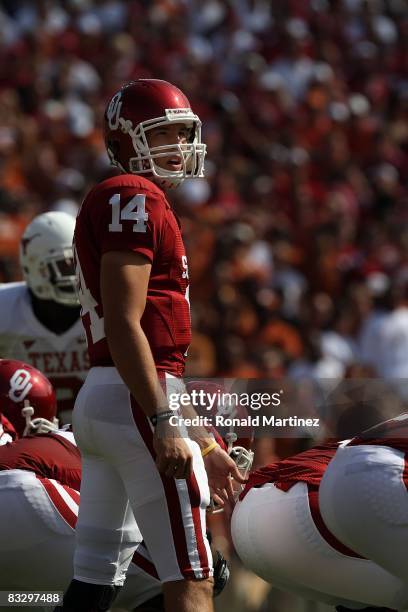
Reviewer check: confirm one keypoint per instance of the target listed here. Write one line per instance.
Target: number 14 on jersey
(133, 211)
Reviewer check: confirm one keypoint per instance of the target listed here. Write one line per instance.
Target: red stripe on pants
(60, 504)
(173, 501)
(144, 564)
(313, 494)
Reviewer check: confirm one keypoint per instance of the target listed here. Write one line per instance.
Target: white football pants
(364, 502)
(276, 537)
(120, 481)
(37, 540)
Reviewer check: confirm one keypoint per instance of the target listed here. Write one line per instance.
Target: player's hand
(173, 455)
(222, 471)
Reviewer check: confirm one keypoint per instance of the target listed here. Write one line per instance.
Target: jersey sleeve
(130, 219)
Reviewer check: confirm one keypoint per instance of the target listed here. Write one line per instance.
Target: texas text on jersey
(63, 358)
(131, 213)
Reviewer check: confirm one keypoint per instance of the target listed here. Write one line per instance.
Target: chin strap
(38, 425)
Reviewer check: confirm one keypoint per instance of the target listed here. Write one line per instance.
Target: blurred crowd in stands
(298, 236)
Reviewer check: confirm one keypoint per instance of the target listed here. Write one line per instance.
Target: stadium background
(297, 237)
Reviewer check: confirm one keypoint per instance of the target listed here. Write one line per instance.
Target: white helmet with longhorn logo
(46, 258)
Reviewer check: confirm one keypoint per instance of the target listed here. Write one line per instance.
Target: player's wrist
(202, 442)
(166, 424)
(209, 448)
(162, 416)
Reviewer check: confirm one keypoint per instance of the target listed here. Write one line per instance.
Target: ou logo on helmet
(113, 111)
(20, 385)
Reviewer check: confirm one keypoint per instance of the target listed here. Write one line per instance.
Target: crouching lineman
(331, 524)
(40, 476)
(39, 318)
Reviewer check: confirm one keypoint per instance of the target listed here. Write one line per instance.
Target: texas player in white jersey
(331, 524)
(39, 318)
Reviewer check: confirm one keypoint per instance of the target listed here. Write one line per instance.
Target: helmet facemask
(243, 458)
(61, 277)
(52, 277)
(47, 260)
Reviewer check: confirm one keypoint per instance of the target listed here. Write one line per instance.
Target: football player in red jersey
(331, 524)
(133, 287)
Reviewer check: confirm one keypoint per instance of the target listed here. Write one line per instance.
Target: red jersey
(7, 430)
(308, 467)
(53, 455)
(130, 213)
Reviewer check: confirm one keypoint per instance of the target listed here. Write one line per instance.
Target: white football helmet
(46, 258)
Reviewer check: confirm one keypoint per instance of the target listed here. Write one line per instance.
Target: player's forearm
(133, 358)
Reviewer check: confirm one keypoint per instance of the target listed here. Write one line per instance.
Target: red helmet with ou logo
(27, 398)
(141, 106)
